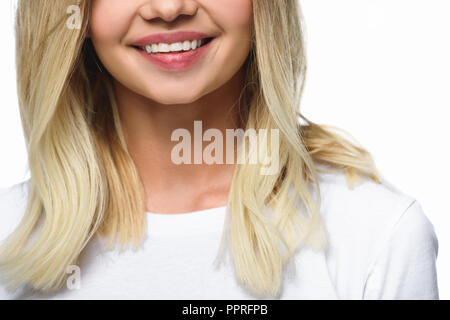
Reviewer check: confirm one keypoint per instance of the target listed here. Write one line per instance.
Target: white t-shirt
(381, 246)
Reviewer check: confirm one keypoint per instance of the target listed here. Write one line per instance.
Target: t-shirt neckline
(192, 223)
(208, 210)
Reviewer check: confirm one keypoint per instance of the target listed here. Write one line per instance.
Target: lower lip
(177, 61)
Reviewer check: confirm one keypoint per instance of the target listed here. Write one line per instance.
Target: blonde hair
(84, 181)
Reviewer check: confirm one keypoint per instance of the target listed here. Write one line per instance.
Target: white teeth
(178, 46)
(186, 45)
(194, 45)
(173, 47)
(163, 47)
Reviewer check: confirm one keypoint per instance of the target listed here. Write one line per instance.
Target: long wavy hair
(85, 183)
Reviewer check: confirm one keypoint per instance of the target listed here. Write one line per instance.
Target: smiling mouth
(178, 47)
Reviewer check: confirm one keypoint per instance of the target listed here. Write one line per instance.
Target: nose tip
(167, 10)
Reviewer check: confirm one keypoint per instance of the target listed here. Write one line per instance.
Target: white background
(380, 69)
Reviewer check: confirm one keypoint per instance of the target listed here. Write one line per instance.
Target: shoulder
(370, 222)
(368, 204)
(370, 211)
(13, 203)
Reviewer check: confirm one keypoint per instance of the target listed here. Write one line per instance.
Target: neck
(148, 128)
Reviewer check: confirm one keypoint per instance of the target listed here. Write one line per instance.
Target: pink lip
(176, 61)
(171, 37)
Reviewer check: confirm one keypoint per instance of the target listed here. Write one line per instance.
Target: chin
(172, 99)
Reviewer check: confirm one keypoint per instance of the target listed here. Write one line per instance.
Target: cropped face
(172, 51)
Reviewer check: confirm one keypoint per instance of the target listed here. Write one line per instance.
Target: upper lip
(171, 37)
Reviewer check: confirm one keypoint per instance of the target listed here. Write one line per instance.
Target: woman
(109, 110)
